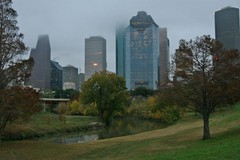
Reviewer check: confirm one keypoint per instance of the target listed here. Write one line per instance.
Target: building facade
(40, 75)
(227, 27)
(142, 52)
(56, 76)
(70, 78)
(81, 77)
(95, 56)
(164, 57)
(120, 51)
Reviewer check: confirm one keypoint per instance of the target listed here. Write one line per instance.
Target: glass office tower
(142, 52)
(227, 27)
(95, 56)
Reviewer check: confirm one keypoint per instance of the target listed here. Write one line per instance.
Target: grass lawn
(181, 141)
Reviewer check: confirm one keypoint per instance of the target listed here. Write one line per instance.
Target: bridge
(58, 100)
(53, 102)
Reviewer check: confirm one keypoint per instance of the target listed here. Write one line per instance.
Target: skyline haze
(68, 24)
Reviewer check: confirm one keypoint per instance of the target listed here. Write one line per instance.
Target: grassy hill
(180, 141)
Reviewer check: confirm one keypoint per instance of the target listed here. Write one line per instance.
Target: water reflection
(77, 139)
(120, 127)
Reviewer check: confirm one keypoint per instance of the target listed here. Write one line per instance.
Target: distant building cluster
(142, 54)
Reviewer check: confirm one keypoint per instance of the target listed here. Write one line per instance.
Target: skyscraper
(40, 75)
(227, 27)
(142, 52)
(56, 76)
(70, 77)
(81, 79)
(95, 56)
(164, 57)
(120, 51)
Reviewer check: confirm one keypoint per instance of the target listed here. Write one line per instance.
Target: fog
(69, 22)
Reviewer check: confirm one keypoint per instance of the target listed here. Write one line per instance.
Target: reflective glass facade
(142, 52)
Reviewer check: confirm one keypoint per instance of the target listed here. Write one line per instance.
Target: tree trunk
(101, 115)
(206, 129)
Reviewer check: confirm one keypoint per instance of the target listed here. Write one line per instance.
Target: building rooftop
(142, 20)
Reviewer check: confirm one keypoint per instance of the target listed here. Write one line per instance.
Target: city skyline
(68, 24)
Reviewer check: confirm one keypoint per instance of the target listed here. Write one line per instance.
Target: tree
(68, 93)
(13, 69)
(107, 91)
(142, 91)
(15, 103)
(206, 76)
(74, 107)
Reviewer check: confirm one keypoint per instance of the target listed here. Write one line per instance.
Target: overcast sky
(69, 22)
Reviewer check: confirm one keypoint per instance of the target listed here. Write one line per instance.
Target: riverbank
(46, 124)
(180, 141)
(76, 129)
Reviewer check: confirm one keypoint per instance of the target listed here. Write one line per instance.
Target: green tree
(142, 91)
(75, 107)
(13, 69)
(107, 91)
(207, 76)
(68, 93)
(169, 105)
(63, 110)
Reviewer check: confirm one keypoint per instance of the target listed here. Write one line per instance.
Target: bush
(153, 108)
(91, 110)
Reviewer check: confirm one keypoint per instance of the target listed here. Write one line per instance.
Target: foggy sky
(69, 22)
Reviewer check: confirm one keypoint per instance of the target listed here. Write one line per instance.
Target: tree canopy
(107, 91)
(15, 102)
(12, 67)
(206, 76)
(142, 91)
